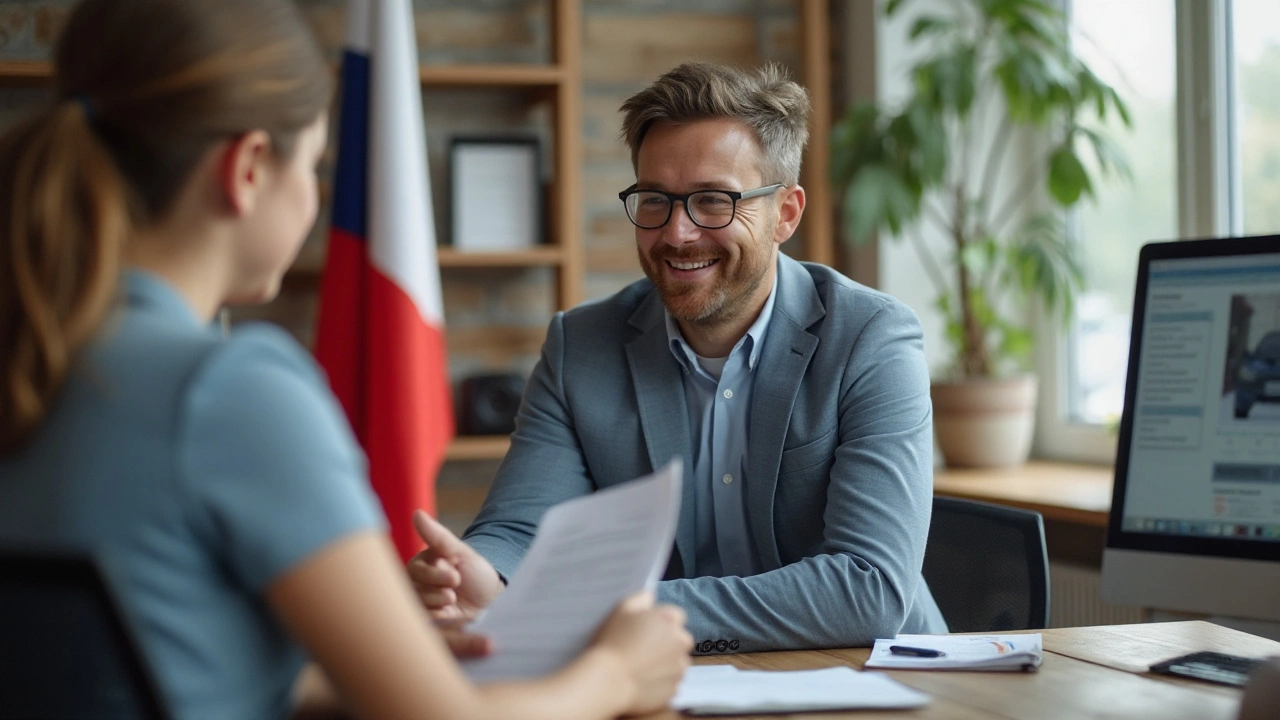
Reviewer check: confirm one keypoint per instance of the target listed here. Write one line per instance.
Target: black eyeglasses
(709, 209)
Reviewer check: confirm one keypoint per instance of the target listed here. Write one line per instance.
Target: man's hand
(453, 581)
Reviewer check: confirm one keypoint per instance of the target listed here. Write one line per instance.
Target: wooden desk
(1079, 494)
(1078, 680)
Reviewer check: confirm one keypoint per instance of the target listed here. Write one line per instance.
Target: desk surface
(1078, 680)
(1060, 491)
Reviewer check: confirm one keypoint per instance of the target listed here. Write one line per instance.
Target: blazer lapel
(788, 348)
(664, 413)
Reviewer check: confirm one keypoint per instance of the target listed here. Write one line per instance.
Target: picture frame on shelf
(496, 199)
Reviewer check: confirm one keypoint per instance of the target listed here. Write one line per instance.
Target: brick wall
(496, 318)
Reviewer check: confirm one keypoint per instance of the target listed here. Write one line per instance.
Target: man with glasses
(798, 399)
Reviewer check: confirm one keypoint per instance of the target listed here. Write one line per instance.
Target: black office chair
(987, 567)
(65, 643)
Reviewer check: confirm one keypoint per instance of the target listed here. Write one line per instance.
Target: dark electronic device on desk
(1210, 666)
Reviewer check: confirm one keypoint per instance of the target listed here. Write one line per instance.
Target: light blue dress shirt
(718, 392)
(199, 469)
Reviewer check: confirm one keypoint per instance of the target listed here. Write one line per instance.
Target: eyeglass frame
(734, 195)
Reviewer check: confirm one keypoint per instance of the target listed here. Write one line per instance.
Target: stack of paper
(958, 652)
(726, 690)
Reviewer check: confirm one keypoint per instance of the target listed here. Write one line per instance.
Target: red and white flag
(381, 326)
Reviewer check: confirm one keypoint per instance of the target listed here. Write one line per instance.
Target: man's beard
(694, 302)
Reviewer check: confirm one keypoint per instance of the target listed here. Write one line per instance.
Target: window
(1255, 48)
(1131, 45)
(1202, 80)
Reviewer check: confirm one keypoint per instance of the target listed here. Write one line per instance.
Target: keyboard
(1209, 666)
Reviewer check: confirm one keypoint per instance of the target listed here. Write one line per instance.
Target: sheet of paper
(962, 652)
(725, 690)
(589, 553)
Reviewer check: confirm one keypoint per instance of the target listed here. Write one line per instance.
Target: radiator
(1075, 599)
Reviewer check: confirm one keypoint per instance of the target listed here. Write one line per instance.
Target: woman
(215, 476)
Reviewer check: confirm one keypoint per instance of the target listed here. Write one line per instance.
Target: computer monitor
(1195, 513)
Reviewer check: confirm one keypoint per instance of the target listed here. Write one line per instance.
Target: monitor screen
(1195, 517)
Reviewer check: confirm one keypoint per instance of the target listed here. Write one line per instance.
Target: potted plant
(989, 69)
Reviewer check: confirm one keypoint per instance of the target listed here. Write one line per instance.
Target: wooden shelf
(25, 73)
(549, 255)
(38, 72)
(478, 447)
(497, 76)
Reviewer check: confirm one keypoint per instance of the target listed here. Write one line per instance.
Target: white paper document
(959, 652)
(725, 690)
(589, 554)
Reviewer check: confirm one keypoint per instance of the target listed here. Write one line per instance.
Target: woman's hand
(653, 647)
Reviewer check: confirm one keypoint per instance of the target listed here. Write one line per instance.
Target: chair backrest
(65, 643)
(987, 567)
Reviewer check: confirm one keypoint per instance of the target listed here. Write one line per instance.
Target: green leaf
(925, 148)
(1033, 24)
(878, 198)
(929, 25)
(1120, 107)
(1025, 82)
(855, 141)
(1110, 157)
(1041, 261)
(891, 7)
(1017, 342)
(1068, 179)
(943, 304)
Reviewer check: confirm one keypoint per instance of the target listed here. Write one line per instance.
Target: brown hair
(143, 88)
(766, 100)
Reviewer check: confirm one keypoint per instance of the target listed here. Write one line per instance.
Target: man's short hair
(765, 100)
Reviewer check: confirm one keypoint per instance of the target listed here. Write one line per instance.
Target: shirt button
(728, 394)
(728, 479)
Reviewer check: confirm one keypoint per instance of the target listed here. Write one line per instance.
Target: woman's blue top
(199, 468)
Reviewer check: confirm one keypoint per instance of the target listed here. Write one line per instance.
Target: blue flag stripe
(350, 181)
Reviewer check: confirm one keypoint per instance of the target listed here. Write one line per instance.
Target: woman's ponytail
(65, 218)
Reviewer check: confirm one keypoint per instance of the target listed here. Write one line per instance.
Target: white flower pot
(985, 422)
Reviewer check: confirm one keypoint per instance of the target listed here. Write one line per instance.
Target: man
(798, 399)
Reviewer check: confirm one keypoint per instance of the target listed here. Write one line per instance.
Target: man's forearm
(824, 601)
(503, 550)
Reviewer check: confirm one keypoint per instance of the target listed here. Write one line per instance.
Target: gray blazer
(839, 472)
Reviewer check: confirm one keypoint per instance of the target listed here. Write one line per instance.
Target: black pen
(917, 651)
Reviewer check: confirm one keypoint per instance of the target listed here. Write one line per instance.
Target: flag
(380, 334)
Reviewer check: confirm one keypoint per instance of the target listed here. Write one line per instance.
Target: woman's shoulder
(255, 346)
(256, 367)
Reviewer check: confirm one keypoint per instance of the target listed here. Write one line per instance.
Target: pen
(917, 651)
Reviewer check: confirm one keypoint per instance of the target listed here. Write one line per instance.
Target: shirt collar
(685, 355)
(149, 291)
